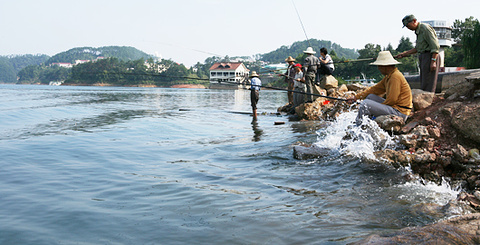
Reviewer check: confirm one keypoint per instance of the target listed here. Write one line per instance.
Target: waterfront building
(230, 75)
(444, 34)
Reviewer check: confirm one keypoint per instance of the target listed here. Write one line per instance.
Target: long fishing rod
(303, 27)
(357, 60)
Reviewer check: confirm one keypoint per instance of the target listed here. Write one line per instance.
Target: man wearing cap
(428, 47)
(255, 84)
(310, 69)
(289, 75)
(398, 95)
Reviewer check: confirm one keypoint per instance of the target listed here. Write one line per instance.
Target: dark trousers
(428, 79)
(254, 96)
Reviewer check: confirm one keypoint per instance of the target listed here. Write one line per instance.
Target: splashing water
(357, 141)
(362, 141)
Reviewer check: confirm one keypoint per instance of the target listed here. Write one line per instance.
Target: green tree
(459, 28)
(7, 71)
(471, 46)
(404, 44)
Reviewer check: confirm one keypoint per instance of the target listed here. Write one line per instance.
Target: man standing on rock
(310, 69)
(289, 75)
(398, 100)
(428, 47)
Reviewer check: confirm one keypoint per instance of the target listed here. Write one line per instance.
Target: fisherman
(255, 84)
(310, 69)
(326, 63)
(299, 80)
(398, 100)
(428, 47)
(289, 75)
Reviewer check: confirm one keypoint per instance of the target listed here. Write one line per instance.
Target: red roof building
(230, 73)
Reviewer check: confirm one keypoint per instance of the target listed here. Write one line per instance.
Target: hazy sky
(189, 31)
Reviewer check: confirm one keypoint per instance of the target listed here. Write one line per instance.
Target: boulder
(356, 87)
(303, 152)
(463, 229)
(328, 82)
(466, 121)
(421, 99)
(390, 123)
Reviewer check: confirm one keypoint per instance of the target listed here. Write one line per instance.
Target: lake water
(109, 165)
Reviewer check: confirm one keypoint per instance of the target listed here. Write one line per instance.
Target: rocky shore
(440, 141)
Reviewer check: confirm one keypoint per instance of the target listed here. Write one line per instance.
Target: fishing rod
(303, 27)
(288, 90)
(357, 60)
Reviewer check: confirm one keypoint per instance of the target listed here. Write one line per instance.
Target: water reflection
(257, 132)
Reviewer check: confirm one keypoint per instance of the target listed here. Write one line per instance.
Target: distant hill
(88, 53)
(297, 48)
(12, 64)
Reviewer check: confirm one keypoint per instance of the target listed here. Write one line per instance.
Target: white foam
(358, 141)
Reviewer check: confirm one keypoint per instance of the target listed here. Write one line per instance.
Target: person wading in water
(255, 84)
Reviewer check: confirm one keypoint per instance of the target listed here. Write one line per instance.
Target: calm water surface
(96, 165)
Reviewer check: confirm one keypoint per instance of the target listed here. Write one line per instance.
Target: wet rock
(423, 156)
(422, 99)
(408, 140)
(390, 123)
(459, 230)
(393, 158)
(303, 152)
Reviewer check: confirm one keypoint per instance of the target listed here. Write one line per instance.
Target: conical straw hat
(385, 58)
(254, 74)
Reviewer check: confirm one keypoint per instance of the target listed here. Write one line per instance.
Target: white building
(444, 34)
(228, 75)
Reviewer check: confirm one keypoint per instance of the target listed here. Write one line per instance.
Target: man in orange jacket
(398, 95)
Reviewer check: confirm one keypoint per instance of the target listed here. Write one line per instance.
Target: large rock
(421, 99)
(390, 123)
(304, 152)
(466, 120)
(356, 87)
(459, 230)
(328, 82)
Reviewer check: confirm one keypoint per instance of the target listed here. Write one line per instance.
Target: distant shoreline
(114, 85)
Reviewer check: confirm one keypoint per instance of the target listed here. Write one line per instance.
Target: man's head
(410, 22)
(298, 67)
(290, 60)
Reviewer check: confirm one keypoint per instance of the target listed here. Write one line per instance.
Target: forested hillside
(89, 53)
(297, 48)
(12, 64)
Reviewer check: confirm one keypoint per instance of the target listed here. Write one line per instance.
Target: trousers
(372, 106)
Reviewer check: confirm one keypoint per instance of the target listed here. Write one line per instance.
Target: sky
(189, 31)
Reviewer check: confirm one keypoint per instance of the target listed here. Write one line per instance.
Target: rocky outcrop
(439, 141)
(460, 230)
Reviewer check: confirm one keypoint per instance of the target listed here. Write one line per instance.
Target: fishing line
(288, 90)
(301, 23)
(197, 50)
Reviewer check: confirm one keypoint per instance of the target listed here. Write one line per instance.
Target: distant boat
(55, 83)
